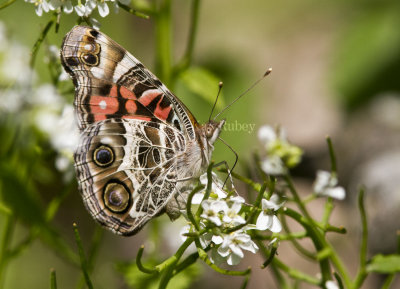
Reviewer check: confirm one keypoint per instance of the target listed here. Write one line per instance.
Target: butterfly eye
(209, 131)
(116, 197)
(103, 156)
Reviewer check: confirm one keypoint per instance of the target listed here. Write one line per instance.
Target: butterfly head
(212, 129)
(208, 133)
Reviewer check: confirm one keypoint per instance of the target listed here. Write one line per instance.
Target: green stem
(169, 265)
(84, 264)
(5, 243)
(295, 274)
(163, 31)
(194, 19)
(203, 256)
(140, 265)
(53, 280)
(4, 5)
(254, 185)
(296, 244)
(133, 11)
(208, 189)
(40, 40)
(189, 260)
(189, 206)
(362, 274)
(331, 155)
(311, 227)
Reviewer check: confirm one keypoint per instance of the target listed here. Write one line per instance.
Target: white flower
(233, 244)
(273, 165)
(326, 185)
(331, 285)
(86, 10)
(40, 6)
(211, 210)
(216, 188)
(231, 215)
(66, 5)
(267, 219)
(267, 134)
(280, 154)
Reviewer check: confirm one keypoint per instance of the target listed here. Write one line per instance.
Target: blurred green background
(336, 71)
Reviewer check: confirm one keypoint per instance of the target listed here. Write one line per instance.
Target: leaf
(203, 83)
(367, 56)
(386, 264)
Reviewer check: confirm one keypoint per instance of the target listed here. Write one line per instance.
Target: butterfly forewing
(112, 83)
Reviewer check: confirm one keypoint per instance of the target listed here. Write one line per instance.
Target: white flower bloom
(233, 244)
(103, 9)
(267, 135)
(211, 210)
(326, 185)
(231, 215)
(280, 154)
(216, 188)
(273, 165)
(267, 219)
(40, 6)
(66, 5)
(331, 285)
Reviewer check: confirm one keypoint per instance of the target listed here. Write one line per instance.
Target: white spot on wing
(103, 104)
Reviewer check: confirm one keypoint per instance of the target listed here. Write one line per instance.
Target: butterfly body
(139, 146)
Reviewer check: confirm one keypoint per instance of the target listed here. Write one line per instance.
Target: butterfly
(140, 146)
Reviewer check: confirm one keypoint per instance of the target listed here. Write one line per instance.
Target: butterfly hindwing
(126, 171)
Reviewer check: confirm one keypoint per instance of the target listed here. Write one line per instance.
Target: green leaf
(386, 264)
(367, 56)
(203, 83)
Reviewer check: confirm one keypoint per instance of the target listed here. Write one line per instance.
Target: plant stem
(362, 274)
(5, 243)
(187, 57)
(40, 40)
(84, 264)
(6, 4)
(163, 32)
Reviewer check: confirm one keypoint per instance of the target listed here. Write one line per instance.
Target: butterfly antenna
(245, 92)
(220, 84)
(234, 164)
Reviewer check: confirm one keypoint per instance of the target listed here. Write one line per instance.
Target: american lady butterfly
(140, 146)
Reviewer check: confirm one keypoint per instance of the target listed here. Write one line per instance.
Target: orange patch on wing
(126, 93)
(131, 106)
(148, 96)
(114, 91)
(103, 104)
(98, 117)
(162, 113)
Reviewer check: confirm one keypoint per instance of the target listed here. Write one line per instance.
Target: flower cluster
(326, 185)
(280, 154)
(83, 10)
(40, 106)
(223, 212)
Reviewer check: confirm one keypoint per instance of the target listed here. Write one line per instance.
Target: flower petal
(234, 259)
(103, 9)
(337, 193)
(276, 226)
(264, 221)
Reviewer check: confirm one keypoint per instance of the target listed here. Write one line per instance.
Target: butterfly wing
(111, 83)
(126, 171)
(133, 131)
